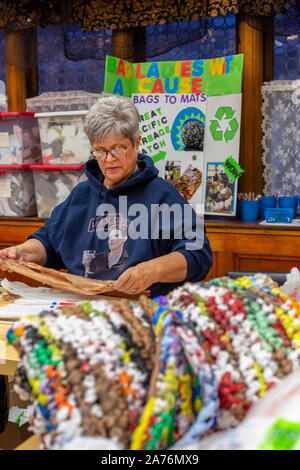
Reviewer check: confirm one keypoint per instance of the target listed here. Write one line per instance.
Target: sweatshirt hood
(146, 172)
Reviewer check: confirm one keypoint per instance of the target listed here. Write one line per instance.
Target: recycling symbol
(225, 125)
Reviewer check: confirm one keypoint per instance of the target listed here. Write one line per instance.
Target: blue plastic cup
(249, 210)
(290, 202)
(264, 203)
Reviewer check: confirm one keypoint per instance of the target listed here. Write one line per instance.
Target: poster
(222, 140)
(172, 133)
(212, 86)
(216, 76)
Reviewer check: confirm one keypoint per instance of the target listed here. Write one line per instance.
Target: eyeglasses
(118, 152)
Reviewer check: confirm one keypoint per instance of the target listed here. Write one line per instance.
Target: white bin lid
(61, 113)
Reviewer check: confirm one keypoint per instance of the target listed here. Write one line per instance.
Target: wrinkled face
(117, 170)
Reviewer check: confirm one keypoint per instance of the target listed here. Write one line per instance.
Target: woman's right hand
(13, 252)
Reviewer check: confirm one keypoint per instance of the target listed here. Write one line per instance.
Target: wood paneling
(257, 262)
(123, 44)
(215, 267)
(139, 42)
(251, 45)
(241, 247)
(21, 68)
(31, 57)
(130, 44)
(15, 71)
(268, 48)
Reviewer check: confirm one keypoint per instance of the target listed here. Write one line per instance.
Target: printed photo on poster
(172, 171)
(188, 130)
(220, 190)
(189, 182)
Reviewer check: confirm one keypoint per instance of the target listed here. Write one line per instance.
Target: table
(33, 443)
(9, 357)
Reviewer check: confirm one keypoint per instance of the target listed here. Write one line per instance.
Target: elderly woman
(159, 260)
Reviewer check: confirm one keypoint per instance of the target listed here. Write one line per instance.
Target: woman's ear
(137, 142)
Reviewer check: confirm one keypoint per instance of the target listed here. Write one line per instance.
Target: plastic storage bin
(71, 100)
(279, 215)
(63, 139)
(17, 196)
(19, 139)
(53, 184)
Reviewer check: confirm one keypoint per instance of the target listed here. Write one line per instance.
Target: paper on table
(18, 415)
(43, 294)
(294, 223)
(34, 299)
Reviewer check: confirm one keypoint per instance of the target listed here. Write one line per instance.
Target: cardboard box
(14, 434)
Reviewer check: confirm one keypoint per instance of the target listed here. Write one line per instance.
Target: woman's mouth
(112, 168)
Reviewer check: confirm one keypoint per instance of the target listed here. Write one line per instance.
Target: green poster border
(211, 84)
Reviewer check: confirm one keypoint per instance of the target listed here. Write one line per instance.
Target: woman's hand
(31, 251)
(167, 268)
(136, 279)
(13, 252)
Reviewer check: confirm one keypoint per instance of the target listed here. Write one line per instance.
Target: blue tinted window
(213, 37)
(286, 48)
(70, 59)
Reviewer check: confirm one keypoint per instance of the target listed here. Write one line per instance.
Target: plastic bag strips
(156, 374)
(61, 280)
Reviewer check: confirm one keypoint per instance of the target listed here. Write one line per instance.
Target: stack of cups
(266, 202)
(248, 210)
(289, 202)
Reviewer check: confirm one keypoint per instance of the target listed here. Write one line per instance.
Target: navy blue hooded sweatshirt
(91, 234)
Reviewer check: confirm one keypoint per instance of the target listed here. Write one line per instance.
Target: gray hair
(112, 115)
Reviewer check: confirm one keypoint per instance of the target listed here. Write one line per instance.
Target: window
(213, 37)
(286, 48)
(70, 59)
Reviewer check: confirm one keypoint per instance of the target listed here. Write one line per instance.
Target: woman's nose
(109, 157)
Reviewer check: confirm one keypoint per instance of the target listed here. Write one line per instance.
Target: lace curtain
(281, 140)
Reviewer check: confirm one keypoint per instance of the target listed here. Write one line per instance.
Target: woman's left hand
(136, 279)
(167, 268)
